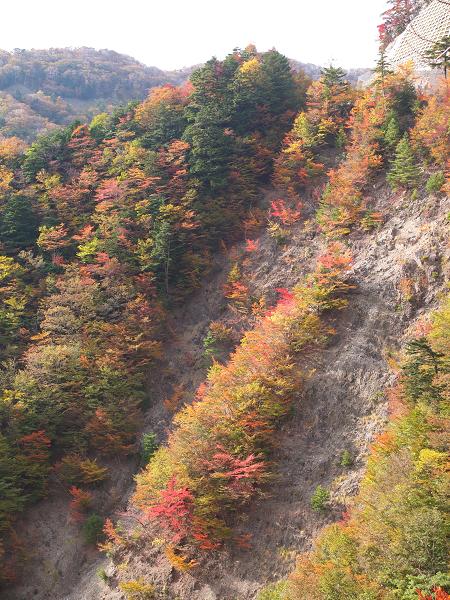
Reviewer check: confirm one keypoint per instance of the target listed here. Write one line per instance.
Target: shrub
(178, 561)
(80, 503)
(435, 182)
(235, 290)
(371, 220)
(275, 591)
(103, 575)
(437, 594)
(112, 538)
(277, 232)
(217, 340)
(93, 529)
(76, 470)
(137, 589)
(149, 446)
(406, 588)
(404, 172)
(320, 499)
(173, 402)
(346, 459)
(286, 215)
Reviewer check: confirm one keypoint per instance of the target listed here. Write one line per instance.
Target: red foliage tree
(285, 296)
(286, 215)
(396, 19)
(174, 510)
(80, 503)
(34, 461)
(251, 245)
(239, 476)
(82, 146)
(35, 446)
(439, 594)
(113, 432)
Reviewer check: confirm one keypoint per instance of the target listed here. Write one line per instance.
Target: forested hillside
(103, 228)
(40, 89)
(43, 89)
(212, 288)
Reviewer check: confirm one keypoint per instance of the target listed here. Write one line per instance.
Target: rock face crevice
(342, 406)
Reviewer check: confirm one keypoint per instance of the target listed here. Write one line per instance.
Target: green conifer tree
(341, 138)
(383, 68)
(438, 56)
(404, 172)
(334, 76)
(18, 223)
(392, 133)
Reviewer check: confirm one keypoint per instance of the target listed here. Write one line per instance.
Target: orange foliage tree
(431, 133)
(342, 202)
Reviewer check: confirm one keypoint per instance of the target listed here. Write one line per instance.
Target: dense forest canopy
(42, 89)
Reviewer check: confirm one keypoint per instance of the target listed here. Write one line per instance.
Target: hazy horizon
(177, 35)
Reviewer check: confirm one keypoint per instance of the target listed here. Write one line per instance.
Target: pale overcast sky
(171, 34)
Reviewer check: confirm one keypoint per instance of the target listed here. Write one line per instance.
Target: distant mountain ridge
(43, 89)
(314, 71)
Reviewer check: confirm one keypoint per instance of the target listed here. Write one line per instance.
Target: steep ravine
(341, 408)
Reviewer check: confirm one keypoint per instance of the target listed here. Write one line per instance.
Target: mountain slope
(170, 311)
(342, 407)
(44, 88)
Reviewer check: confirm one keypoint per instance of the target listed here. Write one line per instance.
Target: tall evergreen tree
(382, 68)
(334, 76)
(18, 223)
(278, 82)
(392, 132)
(404, 171)
(209, 116)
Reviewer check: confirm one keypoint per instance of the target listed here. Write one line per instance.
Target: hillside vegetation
(394, 540)
(43, 89)
(107, 228)
(40, 89)
(103, 228)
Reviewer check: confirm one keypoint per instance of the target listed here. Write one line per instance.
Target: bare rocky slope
(342, 407)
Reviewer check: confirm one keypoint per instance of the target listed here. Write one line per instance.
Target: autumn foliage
(80, 503)
(104, 228)
(392, 543)
(431, 133)
(439, 594)
(217, 456)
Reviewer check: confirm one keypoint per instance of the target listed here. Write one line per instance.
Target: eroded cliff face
(398, 273)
